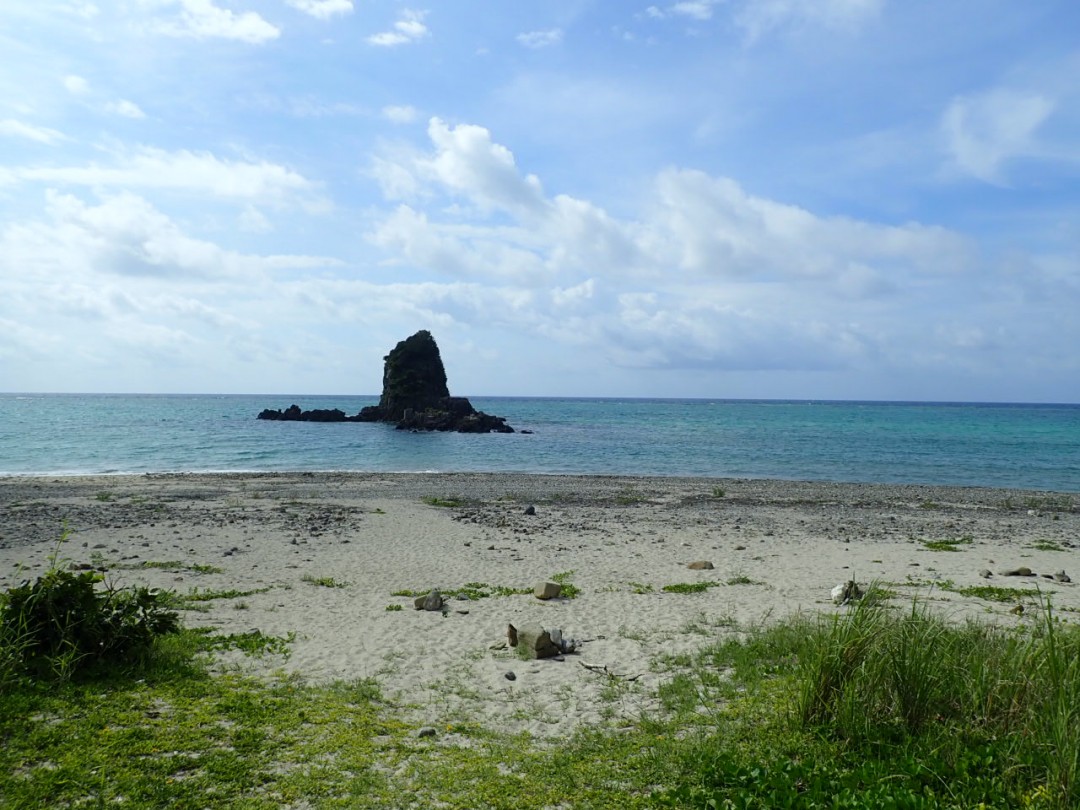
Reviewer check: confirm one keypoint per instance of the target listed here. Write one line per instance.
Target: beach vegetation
(66, 624)
(718, 492)
(1047, 545)
(867, 707)
(470, 590)
(742, 579)
(393, 608)
(104, 497)
(568, 590)
(994, 593)
(690, 587)
(195, 595)
(446, 503)
(948, 544)
(629, 497)
(324, 582)
(170, 565)
(641, 587)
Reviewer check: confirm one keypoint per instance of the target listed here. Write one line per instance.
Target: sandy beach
(323, 555)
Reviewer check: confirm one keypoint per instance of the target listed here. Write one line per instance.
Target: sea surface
(989, 445)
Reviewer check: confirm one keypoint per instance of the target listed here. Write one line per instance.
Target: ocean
(988, 445)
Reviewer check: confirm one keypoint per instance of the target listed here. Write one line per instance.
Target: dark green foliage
(63, 624)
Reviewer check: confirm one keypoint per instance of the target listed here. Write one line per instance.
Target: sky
(794, 199)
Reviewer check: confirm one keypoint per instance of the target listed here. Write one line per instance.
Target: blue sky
(843, 199)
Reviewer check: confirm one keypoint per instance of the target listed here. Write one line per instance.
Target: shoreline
(321, 555)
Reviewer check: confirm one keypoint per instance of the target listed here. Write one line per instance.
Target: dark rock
(701, 565)
(986, 573)
(530, 510)
(510, 676)
(1061, 576)
(414, 396)
(426, 731)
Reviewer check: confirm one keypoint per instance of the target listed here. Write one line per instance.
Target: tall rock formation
(413, 378)
(414, 396)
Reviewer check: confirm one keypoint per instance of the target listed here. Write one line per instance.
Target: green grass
(872, 707)
(447, 503)
(1047, 545)
(470, 590)
(994, 593)
(324, 582)
(210, 595)
(569, 589)
(948, 544)
(171, 565)
(690, 587)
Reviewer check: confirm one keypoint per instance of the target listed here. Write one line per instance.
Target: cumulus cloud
(541, 39)
(183, 170)
(409, 27)
(984, 132)
(322, 9)
(747, 282)
(202, 19)
(18, 129)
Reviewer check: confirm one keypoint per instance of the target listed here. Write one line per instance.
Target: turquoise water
(1016, 446)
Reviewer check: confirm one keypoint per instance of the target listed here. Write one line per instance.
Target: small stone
(509, 675)
(701, 565)
(740, 548)
(986, 573)
(530, 510)
(426, 731)
(1018, 610)
(1061, 576)
(491, 547)
(547, 590)
(511, 635)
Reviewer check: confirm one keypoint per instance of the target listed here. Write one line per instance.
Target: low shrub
(65, 623)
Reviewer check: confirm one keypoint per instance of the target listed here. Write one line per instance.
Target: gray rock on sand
(986, 573)
(701, 565)
(1022, 571)
(846, 592)
(530, 510)
(431, 601)
(536, 641)
(547, 590)
(1061, 576)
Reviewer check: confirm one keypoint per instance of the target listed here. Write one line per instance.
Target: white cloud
(984, 132)
(746, 282)
(700, 10)
(467, 161)
(541, 39)
(322, 9)
(124, 234)
(760, 17)
(400, 113)
(76, 85)
(197, 172)
(202, 19)
(125, 108)
(18, 129)
(408, 28)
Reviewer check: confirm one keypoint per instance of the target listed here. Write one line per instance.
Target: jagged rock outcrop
(414, 396)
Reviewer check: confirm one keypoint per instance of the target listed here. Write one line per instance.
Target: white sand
(623, 539)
